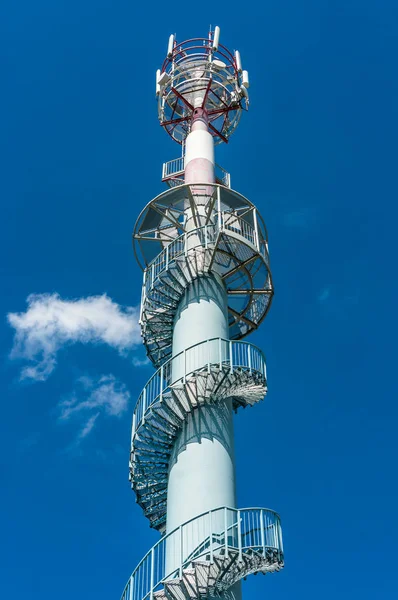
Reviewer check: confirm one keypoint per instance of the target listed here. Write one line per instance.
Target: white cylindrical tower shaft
(202, 467)
(199, 151)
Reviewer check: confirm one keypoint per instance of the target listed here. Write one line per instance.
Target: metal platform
(230, 544)
(173, 173)
(199, 69)
(231, 242)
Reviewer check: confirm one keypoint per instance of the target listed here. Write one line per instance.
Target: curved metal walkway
(229, 239)
(205, 373)
(230, 544)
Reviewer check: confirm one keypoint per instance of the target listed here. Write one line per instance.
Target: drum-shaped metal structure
(200, 73)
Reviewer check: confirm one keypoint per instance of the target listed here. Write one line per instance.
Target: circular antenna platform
(226, 236)
(200, 73)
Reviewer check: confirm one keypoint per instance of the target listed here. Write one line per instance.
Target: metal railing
(204, 237)
(175, 169)
(215, 351)
(222, 176)
(172, 168)
(213, 532)
(233, 223)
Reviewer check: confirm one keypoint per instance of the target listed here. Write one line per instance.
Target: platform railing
(204, 237)
(222, 176)
(217, 531)
(175, 169)
(229, 354)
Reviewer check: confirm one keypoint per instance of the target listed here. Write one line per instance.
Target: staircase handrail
(267, 520)
(231, 353)
(206, 235)
(173, 168)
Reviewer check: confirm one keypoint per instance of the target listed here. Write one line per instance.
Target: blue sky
(81, 154)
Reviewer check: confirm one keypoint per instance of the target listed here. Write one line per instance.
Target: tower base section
(248, 542)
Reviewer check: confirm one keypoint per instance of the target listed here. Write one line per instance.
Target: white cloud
(88, 426)
(51, 322)
(92, 397)
(106, 392)
(137, 362)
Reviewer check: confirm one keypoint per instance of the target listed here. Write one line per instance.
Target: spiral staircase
(234, 370)
(233, 247)
(235, 544)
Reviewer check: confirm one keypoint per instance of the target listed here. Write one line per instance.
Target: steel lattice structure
(207, 284)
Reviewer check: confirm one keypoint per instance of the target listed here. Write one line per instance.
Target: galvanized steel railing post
(211, 536)
(167, 258)
(152, 572)
(239, 536)
(143, 293)
(256, 230)
(219, 209)
(181, 552)
(185, 365)
(134, 425)
(143, 405)
(231, 357)
(249, 357)
(161, 383)
(262, 530)
(226, 530)
(280, 541)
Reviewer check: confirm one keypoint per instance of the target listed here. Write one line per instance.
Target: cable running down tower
(207, 284)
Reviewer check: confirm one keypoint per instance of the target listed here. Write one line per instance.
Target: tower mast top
(201, 73)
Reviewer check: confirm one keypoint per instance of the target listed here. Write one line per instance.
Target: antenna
(201, 73)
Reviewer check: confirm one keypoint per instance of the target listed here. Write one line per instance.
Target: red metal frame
(184, 49)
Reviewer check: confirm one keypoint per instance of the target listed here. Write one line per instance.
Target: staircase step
(152, 496)
(174, 405)
(202, 575)
(205, 579)
(175, 589)
(189, 579)
(140, 437)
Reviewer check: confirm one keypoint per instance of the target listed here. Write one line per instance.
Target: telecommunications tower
(207, 284)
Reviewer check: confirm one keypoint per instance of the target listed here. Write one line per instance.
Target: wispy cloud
(324, 295)
(138, 362)
(337, 300)
(51, 322)
(92, 397)
(88, 427)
